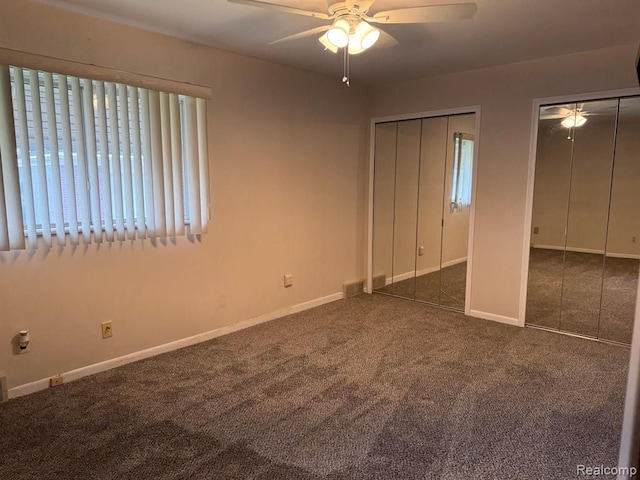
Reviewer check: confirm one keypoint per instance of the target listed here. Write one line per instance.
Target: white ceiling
(503, 31)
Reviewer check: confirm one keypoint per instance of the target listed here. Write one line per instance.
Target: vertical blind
(98, 161)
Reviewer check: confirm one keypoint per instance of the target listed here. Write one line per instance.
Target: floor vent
(379, 282)
(353, 289)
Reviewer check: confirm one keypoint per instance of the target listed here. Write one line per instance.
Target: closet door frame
(533, 147)
(476, 110)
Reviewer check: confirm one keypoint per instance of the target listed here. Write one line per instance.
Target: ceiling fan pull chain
(348, 66)
(345, 76)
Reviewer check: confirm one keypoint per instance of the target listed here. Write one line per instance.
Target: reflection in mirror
(406, 209)
(620, 283)
(456, 211)
(432, 168)
(403, 200)
(593, 146)
(383, 201)
(549, 218)
(585, 255)
(422, 197)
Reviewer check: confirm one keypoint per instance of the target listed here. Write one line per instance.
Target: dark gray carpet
(574, 296)
(367, 388)
(445, 287)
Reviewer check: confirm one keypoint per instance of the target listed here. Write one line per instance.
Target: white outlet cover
(288, 280)
(56, 381)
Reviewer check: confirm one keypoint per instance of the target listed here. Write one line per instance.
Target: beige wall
(288, 154)
(624, 219)
(505, 94)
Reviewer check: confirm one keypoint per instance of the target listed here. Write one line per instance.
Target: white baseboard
(428, 270)
(588, 250)
(496, 318)
(450, 263)
(404, 276)
(455, 261)
(72, 375)
(623, 255)
(424, 271)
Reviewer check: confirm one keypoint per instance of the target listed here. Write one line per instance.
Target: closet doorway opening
(421, 206)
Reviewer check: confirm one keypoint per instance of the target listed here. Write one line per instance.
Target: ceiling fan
(575, 114)
(572, 116)
(351, 26)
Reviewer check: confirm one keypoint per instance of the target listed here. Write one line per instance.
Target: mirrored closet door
(422, 198)
(585, 238)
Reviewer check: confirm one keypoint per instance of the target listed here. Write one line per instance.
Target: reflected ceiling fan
(571, 116)
(352, 28)
(575, 114)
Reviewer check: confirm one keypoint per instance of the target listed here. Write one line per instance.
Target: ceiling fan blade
(306, 33)
(386, 40)
(282, 8)
(427, 14)
(551, 116)
(562, 111)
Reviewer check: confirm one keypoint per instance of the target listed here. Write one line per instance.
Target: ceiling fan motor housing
(339, 9)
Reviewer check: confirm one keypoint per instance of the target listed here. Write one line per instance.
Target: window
(462, 172)
(98, 161)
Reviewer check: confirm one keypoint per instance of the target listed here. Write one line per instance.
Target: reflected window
(462, 172)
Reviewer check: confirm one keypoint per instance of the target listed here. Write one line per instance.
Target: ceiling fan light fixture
(354, 48)
(338, 34)
(572, 121)
(366, 35)
(327, 44)
(370, 38)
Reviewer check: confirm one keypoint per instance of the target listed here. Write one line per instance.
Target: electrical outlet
(421, 250)
(56, 380)
(107, 329)
(21, 343)
(4, 388)
(288, 280)
(634, 239)
(536, 230)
